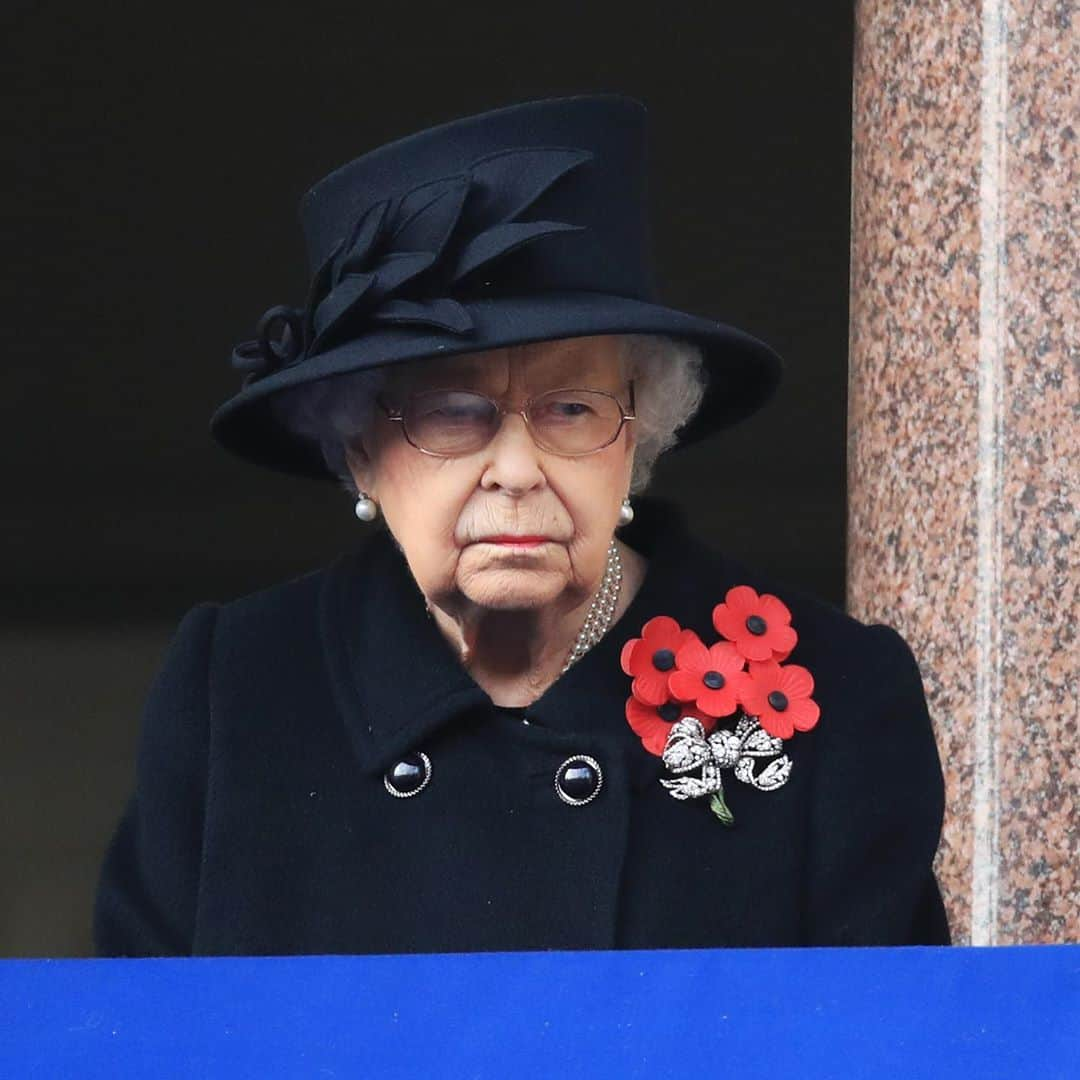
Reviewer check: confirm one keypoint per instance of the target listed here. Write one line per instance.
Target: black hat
(525, 223)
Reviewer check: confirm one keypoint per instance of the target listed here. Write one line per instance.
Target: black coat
(260, 823)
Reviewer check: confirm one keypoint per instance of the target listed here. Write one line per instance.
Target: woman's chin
(515, 591)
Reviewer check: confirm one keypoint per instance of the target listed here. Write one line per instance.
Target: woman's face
(446, 512)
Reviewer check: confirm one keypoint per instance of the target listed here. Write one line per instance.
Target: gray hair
(669, 384)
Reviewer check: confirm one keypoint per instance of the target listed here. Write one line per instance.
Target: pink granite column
(963, 427)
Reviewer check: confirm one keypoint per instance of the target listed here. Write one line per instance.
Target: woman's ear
(360, 465)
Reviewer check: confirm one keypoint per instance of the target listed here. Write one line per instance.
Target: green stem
(720, 808)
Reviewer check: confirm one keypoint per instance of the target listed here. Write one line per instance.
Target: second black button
(578, 780)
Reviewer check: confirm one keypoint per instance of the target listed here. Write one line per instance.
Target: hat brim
(743, 371)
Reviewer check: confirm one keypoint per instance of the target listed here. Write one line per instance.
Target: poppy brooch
(682, 689)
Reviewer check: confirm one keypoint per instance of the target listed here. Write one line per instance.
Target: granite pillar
(963, 427)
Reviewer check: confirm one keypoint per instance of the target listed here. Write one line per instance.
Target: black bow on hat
(526, 223)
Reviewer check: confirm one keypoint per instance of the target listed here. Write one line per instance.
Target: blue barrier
(901, 1012)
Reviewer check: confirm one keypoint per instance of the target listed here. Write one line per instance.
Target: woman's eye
(453, 411)
(567, 410)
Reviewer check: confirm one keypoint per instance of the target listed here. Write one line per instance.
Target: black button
(408, 776)
(578, 780)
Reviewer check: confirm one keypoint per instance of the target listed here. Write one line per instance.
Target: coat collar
(397, 679)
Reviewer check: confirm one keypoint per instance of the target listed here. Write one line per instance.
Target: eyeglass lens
(460, 422)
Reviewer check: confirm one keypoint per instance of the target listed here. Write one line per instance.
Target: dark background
(157, 155)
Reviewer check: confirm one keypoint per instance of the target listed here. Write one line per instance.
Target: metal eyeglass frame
(398, 416)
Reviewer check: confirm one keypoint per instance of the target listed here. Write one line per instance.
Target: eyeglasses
(570, 422)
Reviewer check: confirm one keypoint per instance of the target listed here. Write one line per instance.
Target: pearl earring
(365, 508)
(626, 512)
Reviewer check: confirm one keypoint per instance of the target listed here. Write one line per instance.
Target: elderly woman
(528, 710)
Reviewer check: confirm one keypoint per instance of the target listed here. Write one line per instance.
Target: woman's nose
(513, 458)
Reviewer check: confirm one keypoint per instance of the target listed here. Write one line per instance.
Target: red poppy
(703, 676)
(649, 658)
(653, 722)
(779, 696)
(759, 626)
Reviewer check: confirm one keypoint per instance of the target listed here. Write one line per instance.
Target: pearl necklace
(601, 610)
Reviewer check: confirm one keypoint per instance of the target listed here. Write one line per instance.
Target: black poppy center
(756, 625)
(778, 700)
(663, 659)
(713, 680)
(669, 713)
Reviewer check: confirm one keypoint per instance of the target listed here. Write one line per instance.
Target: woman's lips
(515, 541)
